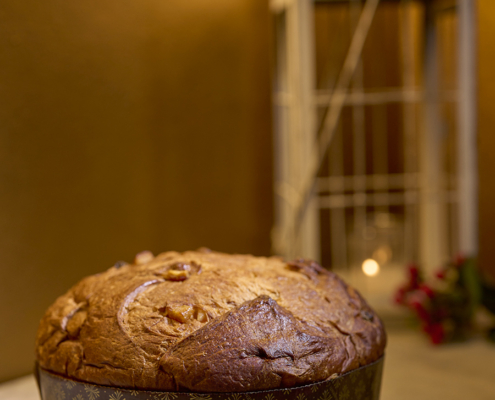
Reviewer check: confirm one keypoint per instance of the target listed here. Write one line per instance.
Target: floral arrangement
(445, 306)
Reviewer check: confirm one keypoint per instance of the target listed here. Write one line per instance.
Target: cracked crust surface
(209, 322)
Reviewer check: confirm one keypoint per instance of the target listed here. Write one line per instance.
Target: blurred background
(387, 91)
(357, 133)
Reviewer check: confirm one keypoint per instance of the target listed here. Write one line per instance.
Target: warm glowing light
(370, 267)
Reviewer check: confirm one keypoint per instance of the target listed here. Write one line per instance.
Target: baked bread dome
(204, 321)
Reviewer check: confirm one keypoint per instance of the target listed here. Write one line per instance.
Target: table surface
(414, 369)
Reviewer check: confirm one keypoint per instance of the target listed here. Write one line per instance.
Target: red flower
(417, 305)
(441, 274)
(414, 276)
(427, 290)
(459, 260)
(436, 333)
(399, 297)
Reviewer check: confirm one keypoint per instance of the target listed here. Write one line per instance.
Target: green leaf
(470, 280)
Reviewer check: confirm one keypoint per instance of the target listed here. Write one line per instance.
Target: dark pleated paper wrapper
(360, 384)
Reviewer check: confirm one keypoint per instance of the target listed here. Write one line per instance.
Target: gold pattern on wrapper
(92, 391)
(360, 384)
(117, 396)
(165, 396)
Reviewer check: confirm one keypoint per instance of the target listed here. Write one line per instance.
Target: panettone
(209, 322)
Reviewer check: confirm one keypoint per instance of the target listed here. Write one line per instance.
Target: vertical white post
(301, 68)
(466, 141)
(409, 125)
(296, 131)
(432, 212)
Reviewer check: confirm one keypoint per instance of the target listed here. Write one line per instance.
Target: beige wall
(125, 125)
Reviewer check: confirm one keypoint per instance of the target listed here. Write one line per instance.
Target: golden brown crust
(207, 321)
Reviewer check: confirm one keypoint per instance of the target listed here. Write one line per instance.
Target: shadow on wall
(125, 126)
